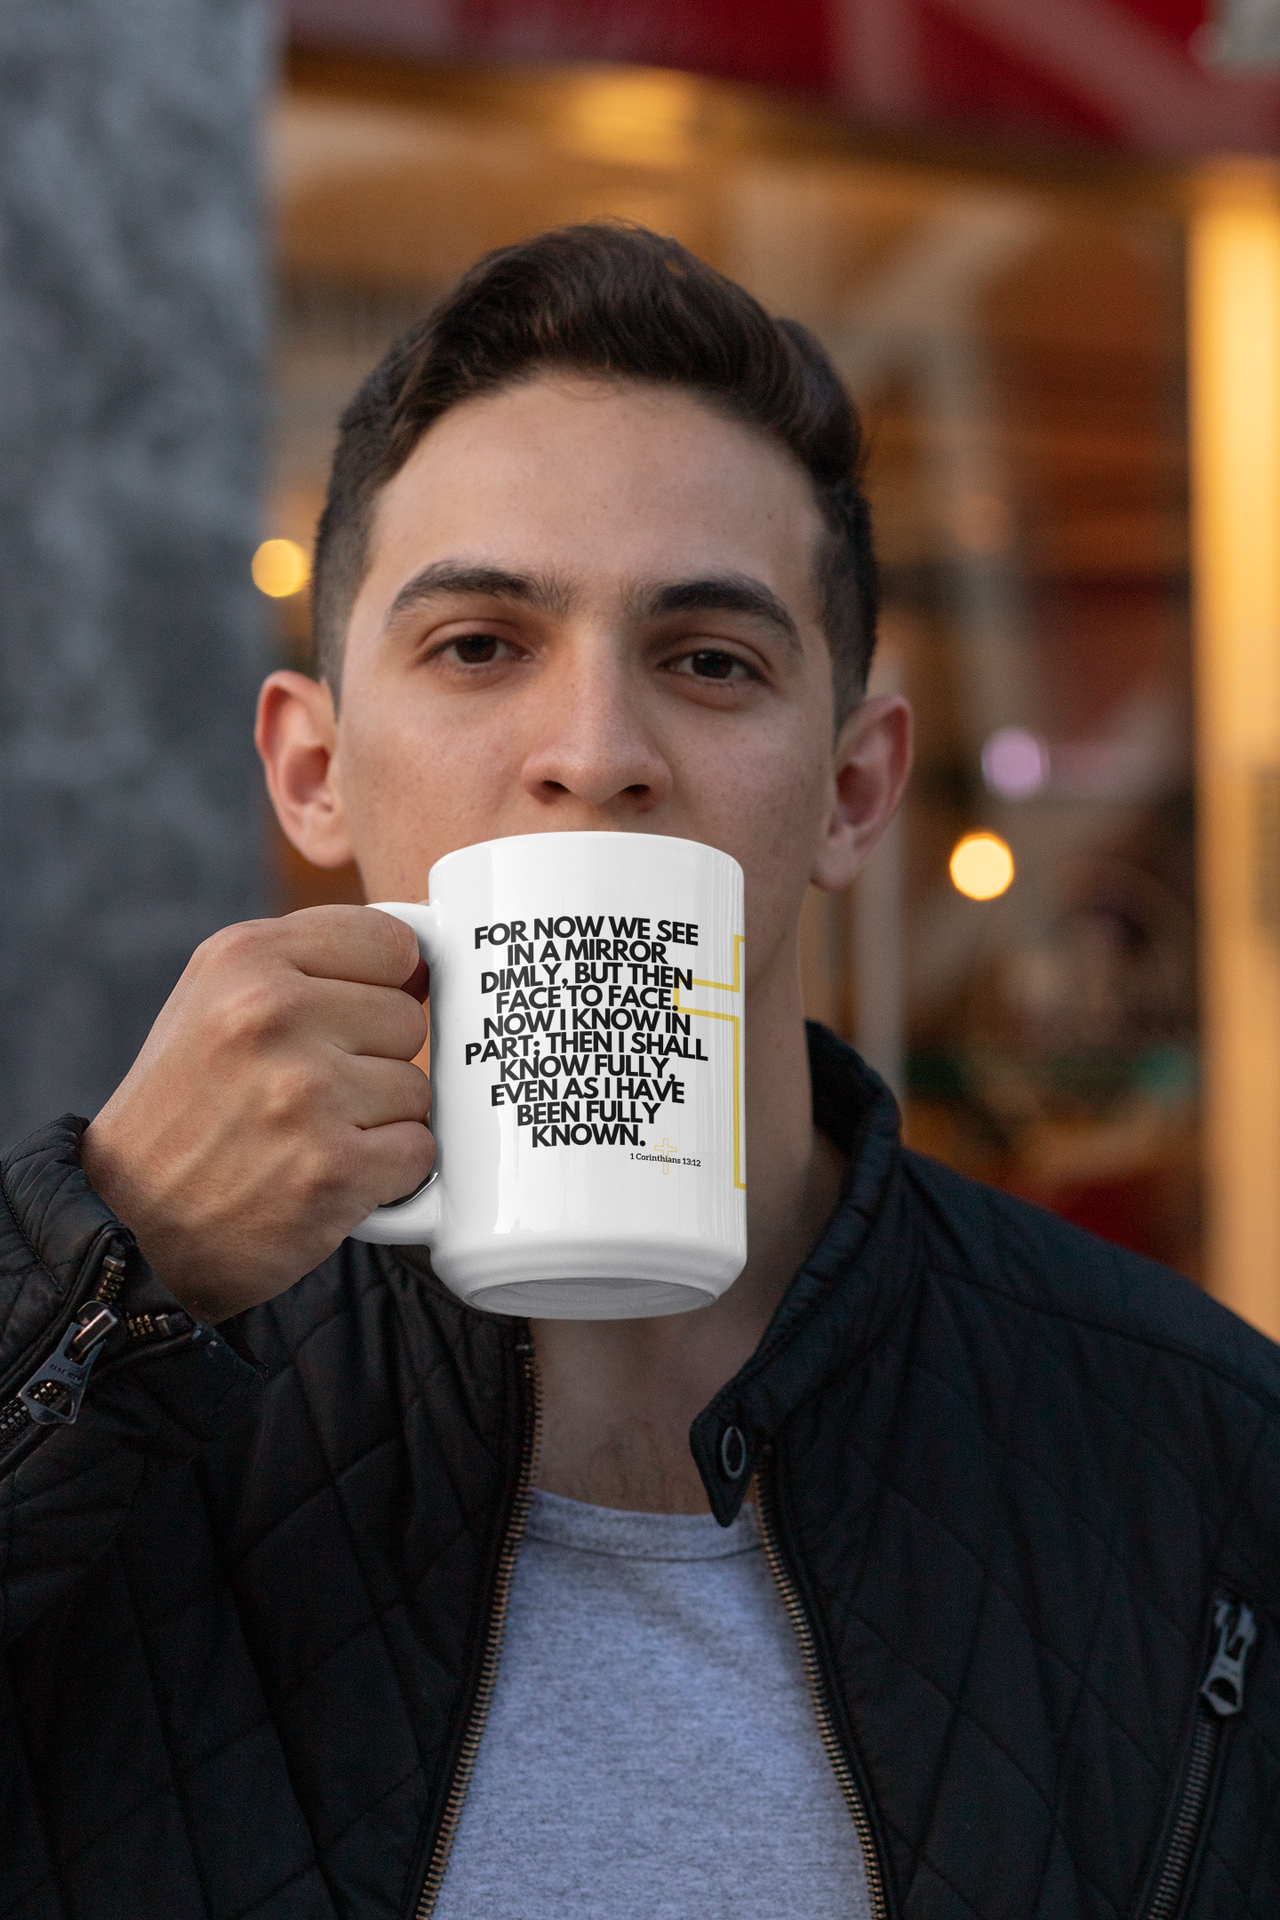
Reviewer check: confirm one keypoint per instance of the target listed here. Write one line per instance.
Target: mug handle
(412, 1221)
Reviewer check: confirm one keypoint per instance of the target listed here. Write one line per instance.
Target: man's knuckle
(292, 1091)
(254, 1012)
(319, 1175)
(230, 945)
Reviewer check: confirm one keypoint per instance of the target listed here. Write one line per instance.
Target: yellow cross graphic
(665, 1147)
(734, 987)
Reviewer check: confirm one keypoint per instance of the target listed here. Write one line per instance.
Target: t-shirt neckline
(558, 1522)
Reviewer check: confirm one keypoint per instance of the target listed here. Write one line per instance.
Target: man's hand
(273, 1105)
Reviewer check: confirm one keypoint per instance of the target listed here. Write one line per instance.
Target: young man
(931, 1572)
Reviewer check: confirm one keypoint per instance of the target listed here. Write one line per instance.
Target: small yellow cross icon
(665, 1147)
(734, 989)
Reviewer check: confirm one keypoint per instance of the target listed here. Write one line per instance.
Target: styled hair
(614, 300)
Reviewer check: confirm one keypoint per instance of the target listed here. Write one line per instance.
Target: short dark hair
(614, 300)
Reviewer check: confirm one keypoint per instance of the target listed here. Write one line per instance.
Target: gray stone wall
(131, 415)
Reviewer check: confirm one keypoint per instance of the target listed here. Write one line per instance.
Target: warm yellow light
(1234, 297)
(638, 115)
(981, 866)
(280, 567)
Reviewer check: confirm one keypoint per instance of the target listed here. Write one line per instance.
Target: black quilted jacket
(1022, 1493)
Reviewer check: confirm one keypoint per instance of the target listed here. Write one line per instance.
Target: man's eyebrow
(550, 594)
(721, 593)
(542, 591)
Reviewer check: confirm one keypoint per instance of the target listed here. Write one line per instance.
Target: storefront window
(1014, 339)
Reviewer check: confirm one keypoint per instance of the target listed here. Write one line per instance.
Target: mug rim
(577, 833)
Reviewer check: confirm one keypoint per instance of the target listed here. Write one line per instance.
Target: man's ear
(871, 765)
(296, 736)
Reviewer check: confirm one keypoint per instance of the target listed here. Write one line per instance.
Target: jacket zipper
(818, 1694)
(483, 1696)
(53, 1394)
(1220, 1698)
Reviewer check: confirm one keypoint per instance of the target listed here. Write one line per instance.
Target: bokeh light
(280, 567)
(1015, 763)
(981, 866)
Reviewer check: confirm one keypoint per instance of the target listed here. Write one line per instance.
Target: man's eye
(475, 649)
(709, 663)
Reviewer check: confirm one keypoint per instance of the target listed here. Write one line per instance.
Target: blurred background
(1042, 244)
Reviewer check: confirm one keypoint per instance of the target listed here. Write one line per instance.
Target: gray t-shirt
(651, 1751)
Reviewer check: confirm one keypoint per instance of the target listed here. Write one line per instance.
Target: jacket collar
(837, 1303)
(841, 1297)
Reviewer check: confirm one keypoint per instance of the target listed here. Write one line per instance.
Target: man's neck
(618, 1396)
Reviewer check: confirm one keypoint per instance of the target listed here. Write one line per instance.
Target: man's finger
(361, 1019)
(350, 943)
(382, 1093)
(395, 1160)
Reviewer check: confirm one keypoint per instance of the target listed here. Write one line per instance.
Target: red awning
(1133, 74)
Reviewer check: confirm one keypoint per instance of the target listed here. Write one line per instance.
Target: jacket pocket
(1219, 1698)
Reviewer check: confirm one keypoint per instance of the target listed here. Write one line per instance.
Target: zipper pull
(53, 1394)
(1237, 1630)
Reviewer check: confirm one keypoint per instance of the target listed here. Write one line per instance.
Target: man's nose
(593, 741)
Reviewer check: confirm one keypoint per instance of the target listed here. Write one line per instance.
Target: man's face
(591, 605)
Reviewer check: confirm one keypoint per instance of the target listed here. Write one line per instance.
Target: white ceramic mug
(587, 1076)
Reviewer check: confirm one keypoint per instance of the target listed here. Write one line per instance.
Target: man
(930, 1572)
